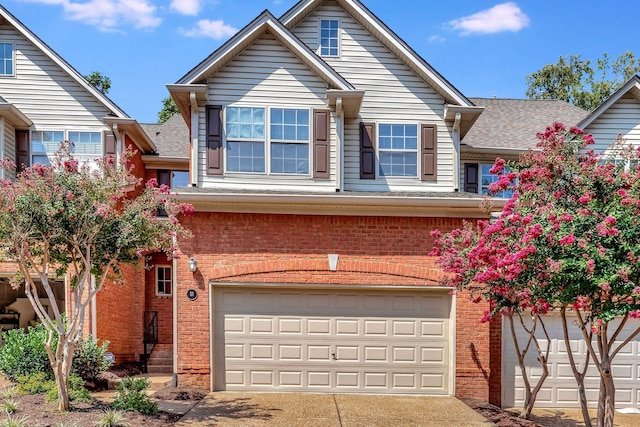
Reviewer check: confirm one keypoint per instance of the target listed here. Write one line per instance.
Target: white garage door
(559, 390)
(332, 341)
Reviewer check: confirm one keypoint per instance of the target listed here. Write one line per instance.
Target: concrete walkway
(329, 410)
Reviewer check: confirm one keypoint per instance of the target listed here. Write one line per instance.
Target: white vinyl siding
(266, 75)
(9, 144)
(621, 118)
(46, 93)
(393, 93)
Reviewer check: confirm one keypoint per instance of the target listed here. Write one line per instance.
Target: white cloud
(186, 7)
(499, 18)
(436, 39)
(109, 15)
(206, 28)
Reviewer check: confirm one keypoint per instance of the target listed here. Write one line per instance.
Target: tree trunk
(609, 403)
(61, 362)
(579, 376)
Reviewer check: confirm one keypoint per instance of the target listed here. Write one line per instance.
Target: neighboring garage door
(559, 390)
(361, 341)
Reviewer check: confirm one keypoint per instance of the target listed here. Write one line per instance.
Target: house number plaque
(192, 294)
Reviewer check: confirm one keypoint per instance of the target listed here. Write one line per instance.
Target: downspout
(456, 151)
(2, 142)
(339, 145)
(194, 139)
(174, 293)
(94, 317)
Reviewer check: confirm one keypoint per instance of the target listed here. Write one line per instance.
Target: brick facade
(292, 249)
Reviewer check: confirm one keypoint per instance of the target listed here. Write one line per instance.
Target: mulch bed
(499, 416)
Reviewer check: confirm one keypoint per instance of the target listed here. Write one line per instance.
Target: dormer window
(6, 59)
(330, 37)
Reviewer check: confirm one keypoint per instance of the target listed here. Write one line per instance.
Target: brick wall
(120, 308)
(267, 248)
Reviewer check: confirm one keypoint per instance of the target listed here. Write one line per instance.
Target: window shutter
(109, 145)
(471, 177)
(22, 150)
(321, 141)
(164, 177)
(428, 152)
(367, 151)
(214, 140)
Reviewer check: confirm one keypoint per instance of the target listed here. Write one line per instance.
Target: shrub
(23, 352)
(131, 396)
(112, 418)
(36, 383)
(77, 392)
(89, 360)
(8, 392)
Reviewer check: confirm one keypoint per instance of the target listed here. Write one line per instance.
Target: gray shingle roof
(171, 137)
(514, 123)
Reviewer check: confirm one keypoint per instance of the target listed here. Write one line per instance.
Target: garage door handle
(333, 356)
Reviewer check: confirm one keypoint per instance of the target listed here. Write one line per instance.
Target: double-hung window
(86, 143)
(6, 59)
(486, 179)
(44, 143)
(289, 141)
(164, 280)
(279, 135)
(398, 150)
(329, 37)
(246, 139)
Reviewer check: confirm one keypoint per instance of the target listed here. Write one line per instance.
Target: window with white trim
(7, 60)
(44, 143)
(329, 37)
(164, 280)
(267, 142)
(486, 179)
(398, 150)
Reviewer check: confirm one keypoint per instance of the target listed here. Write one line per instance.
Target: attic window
(329, 37)
(6, 59)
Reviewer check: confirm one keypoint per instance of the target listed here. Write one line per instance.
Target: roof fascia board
(633, 82)
(265, 21)
(17, 117)
(295, 14)
(134, 130)
(72, 72)
(181, 94)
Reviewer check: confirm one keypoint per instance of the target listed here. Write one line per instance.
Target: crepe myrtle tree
(577, 214)
(80, 221)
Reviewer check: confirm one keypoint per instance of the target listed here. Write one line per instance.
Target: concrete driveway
(329, 410)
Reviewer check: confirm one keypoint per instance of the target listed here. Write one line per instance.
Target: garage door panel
(315, 345)
(560, 389)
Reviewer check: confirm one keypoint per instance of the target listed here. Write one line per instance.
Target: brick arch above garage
(316, 270)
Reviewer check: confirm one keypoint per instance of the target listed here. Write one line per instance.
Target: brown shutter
(428, 152)
(367, 151)
(471, 177)
(214, 140)
(109, 145)
(321, 141)
(164, 177)
(22, 150)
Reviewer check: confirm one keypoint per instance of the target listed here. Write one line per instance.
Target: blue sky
(482, 47)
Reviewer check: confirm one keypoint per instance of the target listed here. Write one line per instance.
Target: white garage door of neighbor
(332, 341)
(559, 389)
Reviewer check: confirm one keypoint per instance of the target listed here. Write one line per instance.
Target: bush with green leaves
(89, 359)
(131, 396)
(42, 382)
(23, 353)
(77, 392)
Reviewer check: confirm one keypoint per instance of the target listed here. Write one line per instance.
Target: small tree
(99, 81)
(169, 108)
(577, 213)
(79, 221)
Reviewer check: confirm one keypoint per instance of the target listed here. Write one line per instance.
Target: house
(44, 100)
(323, 152)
